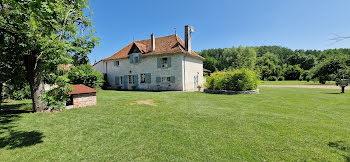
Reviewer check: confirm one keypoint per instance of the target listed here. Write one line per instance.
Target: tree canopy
(278, 63)
(39, 35)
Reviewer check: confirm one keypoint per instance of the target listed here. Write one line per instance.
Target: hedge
(234, 80)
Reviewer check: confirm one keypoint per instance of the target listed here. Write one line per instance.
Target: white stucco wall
(192, 68)
(100, 67)
(148, 64)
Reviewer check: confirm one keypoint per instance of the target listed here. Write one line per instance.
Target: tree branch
(338, 38)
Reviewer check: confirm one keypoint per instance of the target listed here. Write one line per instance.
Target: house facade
(160, 64)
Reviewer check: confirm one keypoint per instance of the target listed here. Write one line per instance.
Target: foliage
(235, 80)
(274, 61)
(18, 94)
(272, 78)
(281, 78)
(292, 72)
(328, 69)
(220, 59)
(85, 74)
(37, 36)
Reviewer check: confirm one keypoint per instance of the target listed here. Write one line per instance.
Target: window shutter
(172, 79)
(131, 59)
(117, 80)
(126, 80)
(158, 79)
(158, 62)
(148, 77)
(169, 61)
(136, 80)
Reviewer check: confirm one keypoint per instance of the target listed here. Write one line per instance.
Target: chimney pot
(188, 38)
(153, 42)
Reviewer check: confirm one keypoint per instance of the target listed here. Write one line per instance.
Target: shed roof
(81, 89)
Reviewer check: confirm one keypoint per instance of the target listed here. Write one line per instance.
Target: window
(121, 80)
(164, 62)
(165, 79)
(143, 78)
(136, 59)
(116, 63)
(131, 79)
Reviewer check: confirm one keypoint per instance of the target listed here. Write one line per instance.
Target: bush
(85, 74)
(308, 78)
(17, 93)
(292, 72)
(281, 78)
(235, 80)
(272, 78)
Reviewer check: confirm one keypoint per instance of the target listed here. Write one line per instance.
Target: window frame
(136, 58)
(164, 62)
(131, 79)
(121, 80)
(167, 79)
(143, 80)
(116, 63)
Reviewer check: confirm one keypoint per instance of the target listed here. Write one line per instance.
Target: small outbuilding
(82, 96)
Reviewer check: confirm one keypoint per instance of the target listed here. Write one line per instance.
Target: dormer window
(164, 62)
(136, 59)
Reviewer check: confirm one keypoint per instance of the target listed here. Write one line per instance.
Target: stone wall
(148, 64)
(83, 100)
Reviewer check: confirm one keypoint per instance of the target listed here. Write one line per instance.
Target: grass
(295, 82)
(17, 105)
(280, 124)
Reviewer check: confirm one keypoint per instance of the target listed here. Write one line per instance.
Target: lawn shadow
(340, 145)
(12, 106)
(13, 139)
(333, 93)
(19, 139)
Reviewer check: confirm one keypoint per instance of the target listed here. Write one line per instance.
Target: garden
(182, 126)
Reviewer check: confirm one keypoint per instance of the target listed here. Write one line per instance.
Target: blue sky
(296, 24)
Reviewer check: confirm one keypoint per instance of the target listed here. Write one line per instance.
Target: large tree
(43, 34)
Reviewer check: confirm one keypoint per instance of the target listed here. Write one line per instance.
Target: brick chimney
(188, 38)
(153, 42)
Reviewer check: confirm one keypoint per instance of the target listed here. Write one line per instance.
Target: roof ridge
(155, 38)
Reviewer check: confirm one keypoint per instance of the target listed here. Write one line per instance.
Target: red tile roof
(164, 45)
(80, 89)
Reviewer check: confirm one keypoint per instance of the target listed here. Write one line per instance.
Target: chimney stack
(153, 42)
(188, 38)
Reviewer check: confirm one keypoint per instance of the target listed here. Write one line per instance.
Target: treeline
(280, 63)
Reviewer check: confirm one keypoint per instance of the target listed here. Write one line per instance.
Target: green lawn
(280, 124)
(295, 82)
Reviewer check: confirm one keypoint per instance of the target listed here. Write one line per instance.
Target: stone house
(164, 63)
(82, 96)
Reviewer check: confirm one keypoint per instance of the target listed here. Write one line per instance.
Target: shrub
(292, 72)
(17, 93)
(272, 78)
(85, 74)
(281, 78)
(308, 78)
(235, 80)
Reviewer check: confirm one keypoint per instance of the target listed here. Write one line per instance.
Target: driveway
(307, 86)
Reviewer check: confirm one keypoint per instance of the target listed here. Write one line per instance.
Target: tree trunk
(35, 82)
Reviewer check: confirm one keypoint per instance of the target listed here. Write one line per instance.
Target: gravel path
(306, 86)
